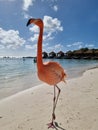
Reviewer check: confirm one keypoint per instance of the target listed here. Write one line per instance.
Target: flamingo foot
(51, 125)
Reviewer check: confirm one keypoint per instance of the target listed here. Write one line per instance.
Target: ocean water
(17, 74)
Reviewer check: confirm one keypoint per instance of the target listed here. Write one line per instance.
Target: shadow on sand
(57, 127)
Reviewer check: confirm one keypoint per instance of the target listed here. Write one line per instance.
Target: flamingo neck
(39, 49)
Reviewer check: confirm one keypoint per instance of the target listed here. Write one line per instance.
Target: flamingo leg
(55, 99)
(51, 125)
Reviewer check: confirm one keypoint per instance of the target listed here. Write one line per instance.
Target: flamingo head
(37, 22)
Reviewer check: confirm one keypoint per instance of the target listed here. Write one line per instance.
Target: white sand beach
(77, 108)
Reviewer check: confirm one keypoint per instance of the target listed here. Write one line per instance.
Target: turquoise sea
(17, 74)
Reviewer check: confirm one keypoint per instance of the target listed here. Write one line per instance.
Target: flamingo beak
(30, 21)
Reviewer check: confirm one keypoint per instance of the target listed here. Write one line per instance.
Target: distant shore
(82, 53)
(77, 108)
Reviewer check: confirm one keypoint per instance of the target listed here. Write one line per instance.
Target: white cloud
(28, 46)
(34, 38)
(89, 45)
(27, 4)
(25, 7)
(79, 45)
(10, 39)
(1, 47)
(45, 44)
(33, 47)
(56, 48)
(69, 45)
(52, 24)
(75, 44)
(51, 27)
(34, 29)
(55, 8)
(25, 15)
(48, 37)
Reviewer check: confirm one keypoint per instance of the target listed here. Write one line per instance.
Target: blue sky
(68, 25)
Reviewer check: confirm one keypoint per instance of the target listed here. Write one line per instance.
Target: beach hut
(44, 55)
(52, 54)
(60, 54)
(68, 55)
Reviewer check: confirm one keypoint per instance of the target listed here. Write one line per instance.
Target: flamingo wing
(52, 73)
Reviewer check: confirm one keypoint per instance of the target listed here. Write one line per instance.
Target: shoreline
(77, 107)
(41, 83)
(20, 93)
(24, 76)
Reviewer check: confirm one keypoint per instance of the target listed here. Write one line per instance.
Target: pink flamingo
(50, 72)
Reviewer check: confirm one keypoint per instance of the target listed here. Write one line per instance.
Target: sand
(77, 108)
